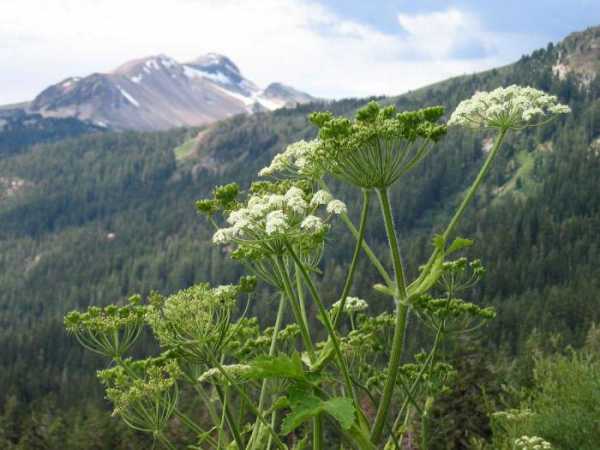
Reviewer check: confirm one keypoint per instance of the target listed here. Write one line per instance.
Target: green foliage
(566, 401)
(305, 405)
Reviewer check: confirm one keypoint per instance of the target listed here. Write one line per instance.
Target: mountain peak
(157, 92)
(579, 54)
(215, 62)
(147, 65)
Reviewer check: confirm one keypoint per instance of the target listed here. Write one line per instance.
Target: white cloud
(298, 42)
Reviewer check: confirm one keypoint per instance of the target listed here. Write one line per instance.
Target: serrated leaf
(458, 244)
(342, 409)
(304, 407)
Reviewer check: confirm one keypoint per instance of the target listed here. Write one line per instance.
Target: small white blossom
(532, 443)
(235, 371)
(225, 290)
(297, 204)
(276, 222)
(237, 216)
(336, 207)
(353, 304)
(294, 159)
(510, 107)
(320, 198)
(294, 192)
(312, 223)
(222, 236)
(276, 201)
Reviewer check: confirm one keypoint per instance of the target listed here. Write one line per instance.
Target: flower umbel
(294, 162)
(378, 147)
(505, 108)
(532, 443)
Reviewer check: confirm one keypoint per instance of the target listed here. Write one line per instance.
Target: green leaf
(423, 285)
(458, 244)
(305, 405)
(276, 367)
(324, 355)
(342, 409)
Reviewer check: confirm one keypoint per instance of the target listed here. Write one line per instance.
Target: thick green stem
(401, 319)
(301, 302)
(473, 189)
(328, 325)
(318, 437)
(359, 241)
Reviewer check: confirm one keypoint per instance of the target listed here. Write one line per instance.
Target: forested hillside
(93, 219)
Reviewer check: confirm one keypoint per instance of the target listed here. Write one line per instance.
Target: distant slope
(158, 93)
(93, 219)
(19, 130)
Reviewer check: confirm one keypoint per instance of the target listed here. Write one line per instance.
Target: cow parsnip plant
(278, 387)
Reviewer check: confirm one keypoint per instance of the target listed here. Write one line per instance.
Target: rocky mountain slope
(157, 93)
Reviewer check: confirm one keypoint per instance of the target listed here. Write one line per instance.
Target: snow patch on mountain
(128, 96)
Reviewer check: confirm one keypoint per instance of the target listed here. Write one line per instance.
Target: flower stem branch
(366, 248)
(469, 197)
(401, 319)
(328, 325)
(351, 271)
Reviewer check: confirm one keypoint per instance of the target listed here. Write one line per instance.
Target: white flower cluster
(510, 107)
(294, 160)
(273, 215)
(532, 443)
(235, 371)
(353, 304)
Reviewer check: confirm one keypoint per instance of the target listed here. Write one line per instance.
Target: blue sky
(550, 18)
(329, 48)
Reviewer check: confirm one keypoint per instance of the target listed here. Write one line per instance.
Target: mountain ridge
(158, 93)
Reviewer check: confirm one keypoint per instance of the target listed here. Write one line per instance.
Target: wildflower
(336, 207)
(110, 331)
(276, 222)
(320, 197)
(353, 304)
(144, 393)
(378, 147)
(195, 320)
(235, 371)
(294, 162)
(532, 443)
(222, 236)
(511, 107)
(312, 223)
